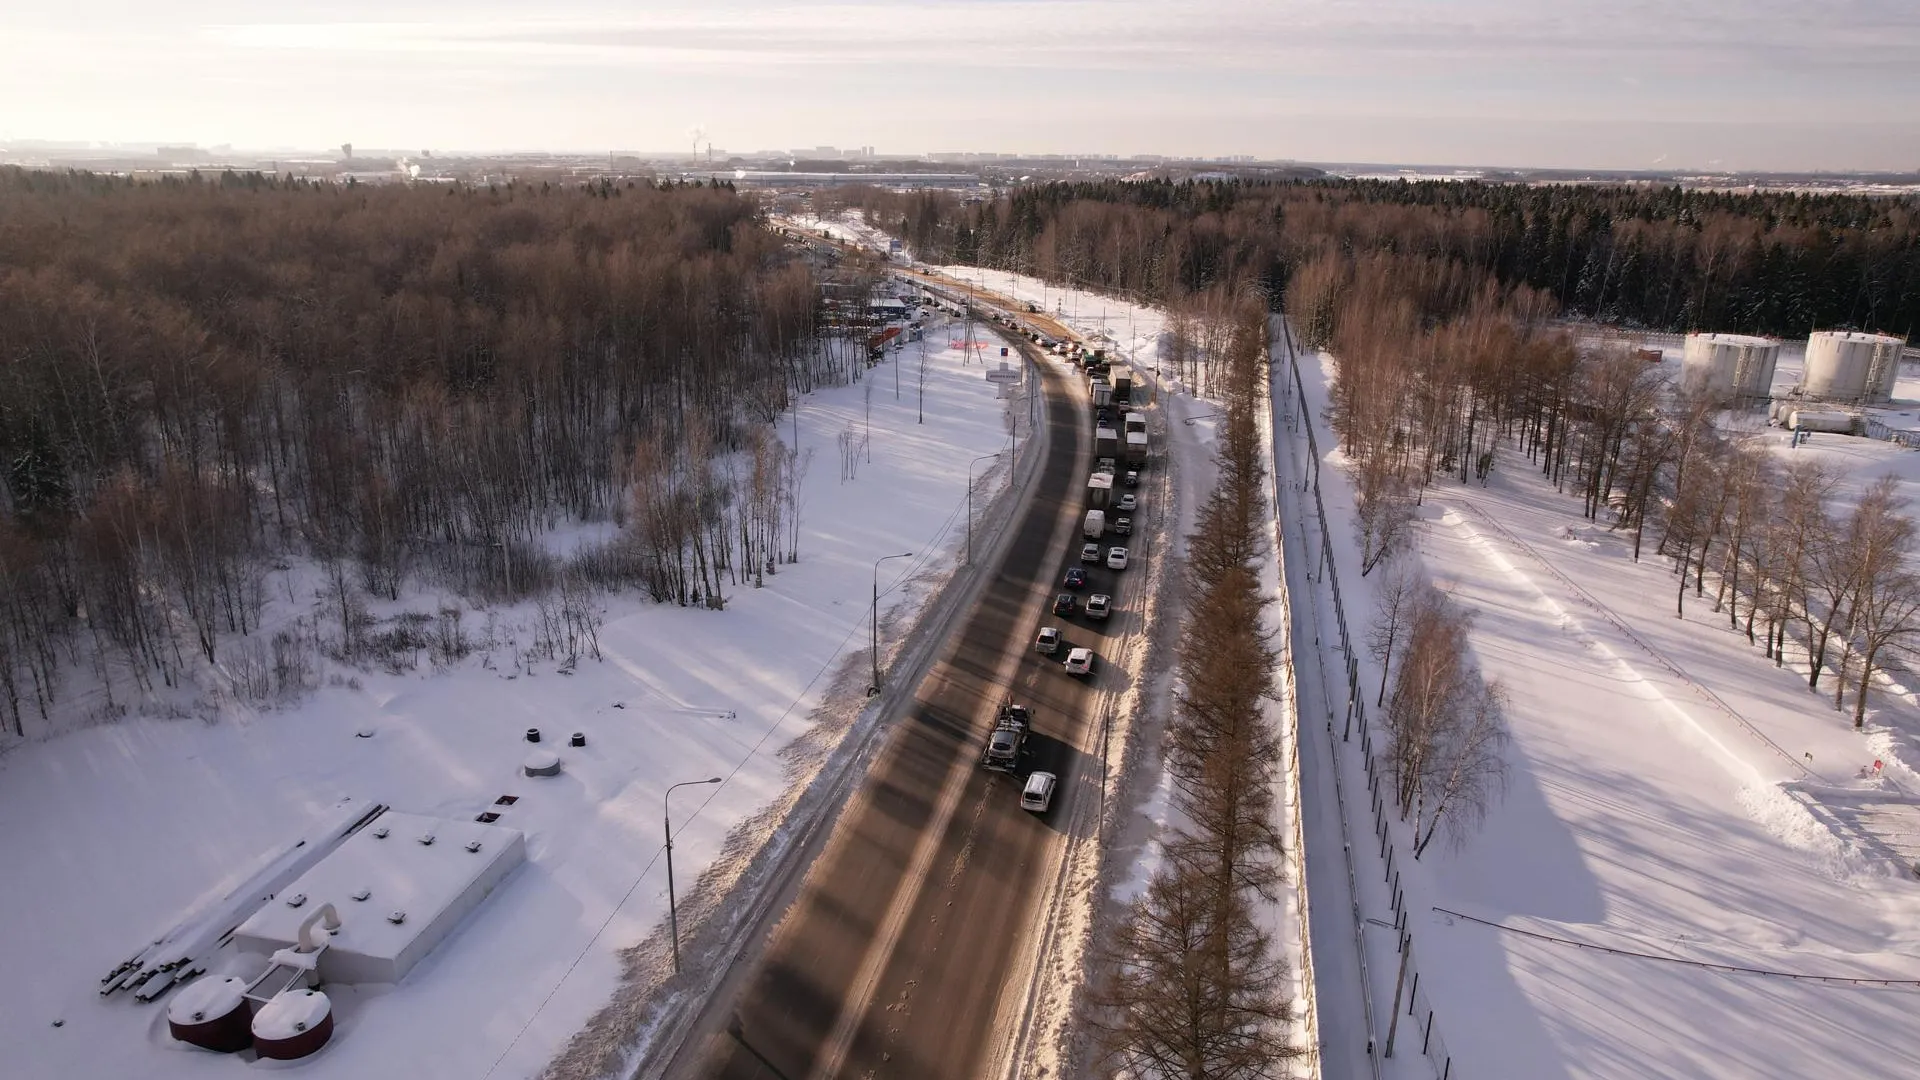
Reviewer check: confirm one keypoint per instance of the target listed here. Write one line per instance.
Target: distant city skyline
(1602, 84)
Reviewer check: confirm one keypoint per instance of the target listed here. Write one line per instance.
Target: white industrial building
(399, 886)
(1850, 367)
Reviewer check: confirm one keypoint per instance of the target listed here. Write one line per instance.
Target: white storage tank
(1852, 367)
(1838, 423)
(1731, 367)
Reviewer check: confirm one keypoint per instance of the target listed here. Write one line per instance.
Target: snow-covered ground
(113, 833)
(1677, 807)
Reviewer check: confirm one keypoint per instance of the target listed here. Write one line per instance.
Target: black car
(1103, 417)
(1123, 525)
(1065, 603)
(1076, 578)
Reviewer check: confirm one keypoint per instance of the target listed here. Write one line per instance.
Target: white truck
(1096, 524)
(1099, 490)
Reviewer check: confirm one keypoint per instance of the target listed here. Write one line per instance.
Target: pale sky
(1728, 84)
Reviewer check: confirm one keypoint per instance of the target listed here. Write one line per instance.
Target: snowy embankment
(1670, 886)
(116, 832)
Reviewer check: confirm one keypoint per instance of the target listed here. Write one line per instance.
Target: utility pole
(970, 466)
(673, 910)
(876, 616)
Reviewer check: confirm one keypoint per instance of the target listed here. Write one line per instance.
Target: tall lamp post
(673, 910)
(876, 614)
(970, 466)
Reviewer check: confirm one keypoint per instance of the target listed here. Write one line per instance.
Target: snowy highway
(902, 955)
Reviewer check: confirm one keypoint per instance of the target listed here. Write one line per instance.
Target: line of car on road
(1080, 660)
(1098, 606)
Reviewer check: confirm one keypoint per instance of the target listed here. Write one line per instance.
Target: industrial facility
(1850, 367)
(1733, 368)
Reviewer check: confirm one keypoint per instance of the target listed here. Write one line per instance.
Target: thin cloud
(1112, 34)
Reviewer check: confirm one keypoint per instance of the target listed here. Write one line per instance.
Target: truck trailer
(1099, 490)
(1106, 442)
(1136, 449)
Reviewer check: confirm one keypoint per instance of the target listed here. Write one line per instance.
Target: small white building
(400, 886)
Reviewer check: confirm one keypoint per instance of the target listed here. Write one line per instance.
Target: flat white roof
(398, 872)
(1853, 335)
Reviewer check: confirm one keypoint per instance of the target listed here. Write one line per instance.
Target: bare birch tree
(1383, 511)
(1888, 618)
(1446, 727)
(1399, 598)
(1468, 770)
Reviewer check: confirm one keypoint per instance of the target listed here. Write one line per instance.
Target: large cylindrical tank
(1810, 420)
(1732, 367)
(1852, 367)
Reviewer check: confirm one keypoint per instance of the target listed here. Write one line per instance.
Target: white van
(1039, 792)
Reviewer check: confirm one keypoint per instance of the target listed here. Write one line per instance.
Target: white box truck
(1096, 524)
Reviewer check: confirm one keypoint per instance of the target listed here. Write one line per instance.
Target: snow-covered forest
(204, 379)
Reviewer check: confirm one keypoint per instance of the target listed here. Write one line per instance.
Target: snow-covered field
(1677, 807)
(113, 833)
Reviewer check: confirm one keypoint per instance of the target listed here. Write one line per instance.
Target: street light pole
(673, 909)
(970, 466)
(876, 614)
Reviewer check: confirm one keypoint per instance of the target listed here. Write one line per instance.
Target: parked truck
(1011, 723)
(1122, 380)
(1099, 490)
(1095, 526)
(1136, 449)
(1106, 442)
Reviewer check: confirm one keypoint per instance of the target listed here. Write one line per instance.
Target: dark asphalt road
(893, 960)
